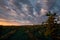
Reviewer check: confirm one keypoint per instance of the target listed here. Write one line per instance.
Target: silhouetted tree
(50, 21)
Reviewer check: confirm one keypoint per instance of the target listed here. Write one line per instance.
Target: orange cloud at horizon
(4, 23)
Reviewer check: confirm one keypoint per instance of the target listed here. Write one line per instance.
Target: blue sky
(27, 11)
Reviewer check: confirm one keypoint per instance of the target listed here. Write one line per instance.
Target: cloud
(14, 22)
(43, 11)
(25, 7)
(6, 22)
(35, 13)
(13, 13)
(25, 11)
(9, 23)
(44, 7)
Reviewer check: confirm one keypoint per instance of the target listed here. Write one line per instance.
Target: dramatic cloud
(26, 11)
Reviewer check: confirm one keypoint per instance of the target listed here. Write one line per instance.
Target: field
(29, 32)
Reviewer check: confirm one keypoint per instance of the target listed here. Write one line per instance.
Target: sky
(25, 12)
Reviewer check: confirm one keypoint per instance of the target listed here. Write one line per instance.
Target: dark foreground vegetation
(37, 32)
(50, 30)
